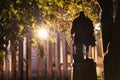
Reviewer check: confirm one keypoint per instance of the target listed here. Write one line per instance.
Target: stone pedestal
(84, 70)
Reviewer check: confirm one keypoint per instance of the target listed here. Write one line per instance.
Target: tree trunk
(106, 21)
(111, 65)
(113, 68)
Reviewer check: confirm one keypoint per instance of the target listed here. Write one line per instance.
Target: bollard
(84, 70)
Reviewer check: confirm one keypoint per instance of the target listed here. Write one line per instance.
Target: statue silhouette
(83, 29)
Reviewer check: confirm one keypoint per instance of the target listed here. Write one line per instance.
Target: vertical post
(96, 54)
(28, 58)
(49, 60)
(57, 55)
(44, 61)
(93, 53)
(1, 70)
(90, 51)
(13, 61)
(5, 68)
(9, 60)
(71, 51)
(20, 60)
(71, 63)
(64, 51)
(40, 66)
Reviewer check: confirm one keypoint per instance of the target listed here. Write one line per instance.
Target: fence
(27, 64)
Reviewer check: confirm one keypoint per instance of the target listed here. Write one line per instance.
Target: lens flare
(42, 33)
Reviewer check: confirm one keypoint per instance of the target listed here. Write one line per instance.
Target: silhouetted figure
(83, 29)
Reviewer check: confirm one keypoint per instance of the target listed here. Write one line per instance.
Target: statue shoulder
(89, 20)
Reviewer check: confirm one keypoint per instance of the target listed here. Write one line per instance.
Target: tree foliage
(21, 17)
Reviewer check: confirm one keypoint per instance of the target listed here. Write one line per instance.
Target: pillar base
(84, 70)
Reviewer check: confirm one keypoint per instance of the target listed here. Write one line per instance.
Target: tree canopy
(19, 18)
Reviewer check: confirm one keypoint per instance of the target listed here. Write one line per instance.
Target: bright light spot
(42, 33)
(97, 27)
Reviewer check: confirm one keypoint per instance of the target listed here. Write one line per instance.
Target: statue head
(82, 14)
